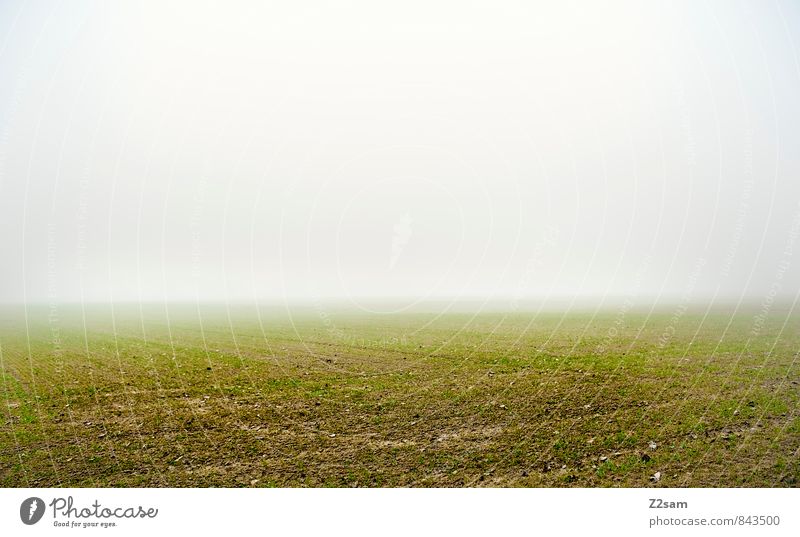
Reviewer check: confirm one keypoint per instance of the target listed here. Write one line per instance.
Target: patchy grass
(219, 396)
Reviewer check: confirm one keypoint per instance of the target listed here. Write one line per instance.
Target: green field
(236, 396)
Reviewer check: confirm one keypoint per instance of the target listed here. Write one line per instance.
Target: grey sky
(408, 149)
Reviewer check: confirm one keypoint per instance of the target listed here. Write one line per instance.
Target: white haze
(239, 151)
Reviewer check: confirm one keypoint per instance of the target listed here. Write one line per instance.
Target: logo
(402, 234)
(31, 510)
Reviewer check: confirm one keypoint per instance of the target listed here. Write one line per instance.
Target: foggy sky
(182, 151)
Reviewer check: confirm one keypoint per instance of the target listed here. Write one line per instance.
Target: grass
(234, 396)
